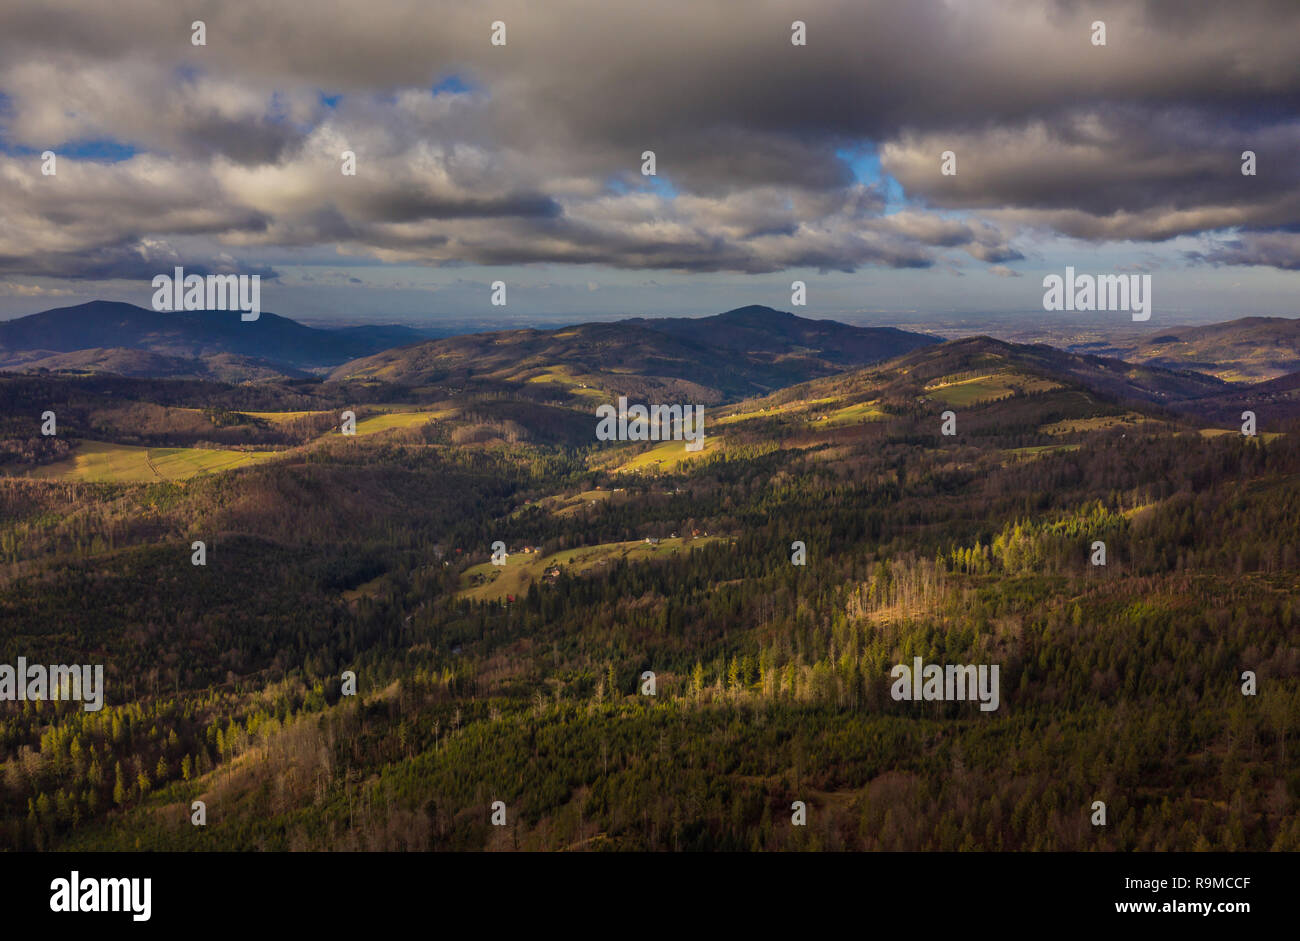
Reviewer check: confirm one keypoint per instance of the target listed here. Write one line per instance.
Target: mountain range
(741, 352)
(747, 352)
(1251, 349)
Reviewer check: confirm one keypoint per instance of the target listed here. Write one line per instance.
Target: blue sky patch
(452, 85)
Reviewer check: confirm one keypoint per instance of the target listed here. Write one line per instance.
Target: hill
(755, 329)
(221, 367)
(271, 339)
(1273, 402)
(744, 352)
(1105, 375)
(1250, 349)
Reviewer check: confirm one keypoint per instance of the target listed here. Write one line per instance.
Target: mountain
(222, 367)
(1114, 378)
(270, 340)
(1250, 349)
(744, 352)
(1274, 403)
(757, 329)
(994, 388)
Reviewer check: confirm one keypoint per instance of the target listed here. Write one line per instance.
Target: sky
(522, 162)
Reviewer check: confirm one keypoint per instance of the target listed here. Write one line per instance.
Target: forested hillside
(369, 554)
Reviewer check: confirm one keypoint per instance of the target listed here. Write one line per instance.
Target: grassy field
(125, 463)
(1098, 423)
(568, 505)
(663, 457)
(488, 582)
(576, 383)
(797, 405)
(961, 392)
(1039, 450)
(392, 417)
(128, 463)
(390, 420)
(277, 417)
(852, 414)
(1216, 432)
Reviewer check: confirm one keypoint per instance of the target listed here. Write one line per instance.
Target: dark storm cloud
(1271, 249)
(539, 159)
(405, 207)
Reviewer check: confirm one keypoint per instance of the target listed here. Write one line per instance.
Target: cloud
(1109, 173)
(15, 289)
(533, 153)
(1271, 249)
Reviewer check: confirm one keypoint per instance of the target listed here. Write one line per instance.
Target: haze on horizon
(775, 162)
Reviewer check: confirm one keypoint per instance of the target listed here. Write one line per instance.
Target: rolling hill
(1251, 349)
(1273, 402)
(744, 352)
(1105, 375)
(270, 340)
(220, 367)
(762, 330)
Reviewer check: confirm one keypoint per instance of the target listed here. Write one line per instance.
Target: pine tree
(119, 786)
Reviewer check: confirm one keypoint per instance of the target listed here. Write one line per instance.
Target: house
(652, 540)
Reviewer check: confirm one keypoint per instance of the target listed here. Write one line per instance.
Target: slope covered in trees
(1119, 683)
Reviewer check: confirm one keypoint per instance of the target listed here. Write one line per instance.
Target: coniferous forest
(368, 556)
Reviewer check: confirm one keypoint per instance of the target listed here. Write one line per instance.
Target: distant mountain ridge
(268, 341)
(743, 352)
(1249, 349)
(757, 329)
(144, 364)
(1112, 377)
